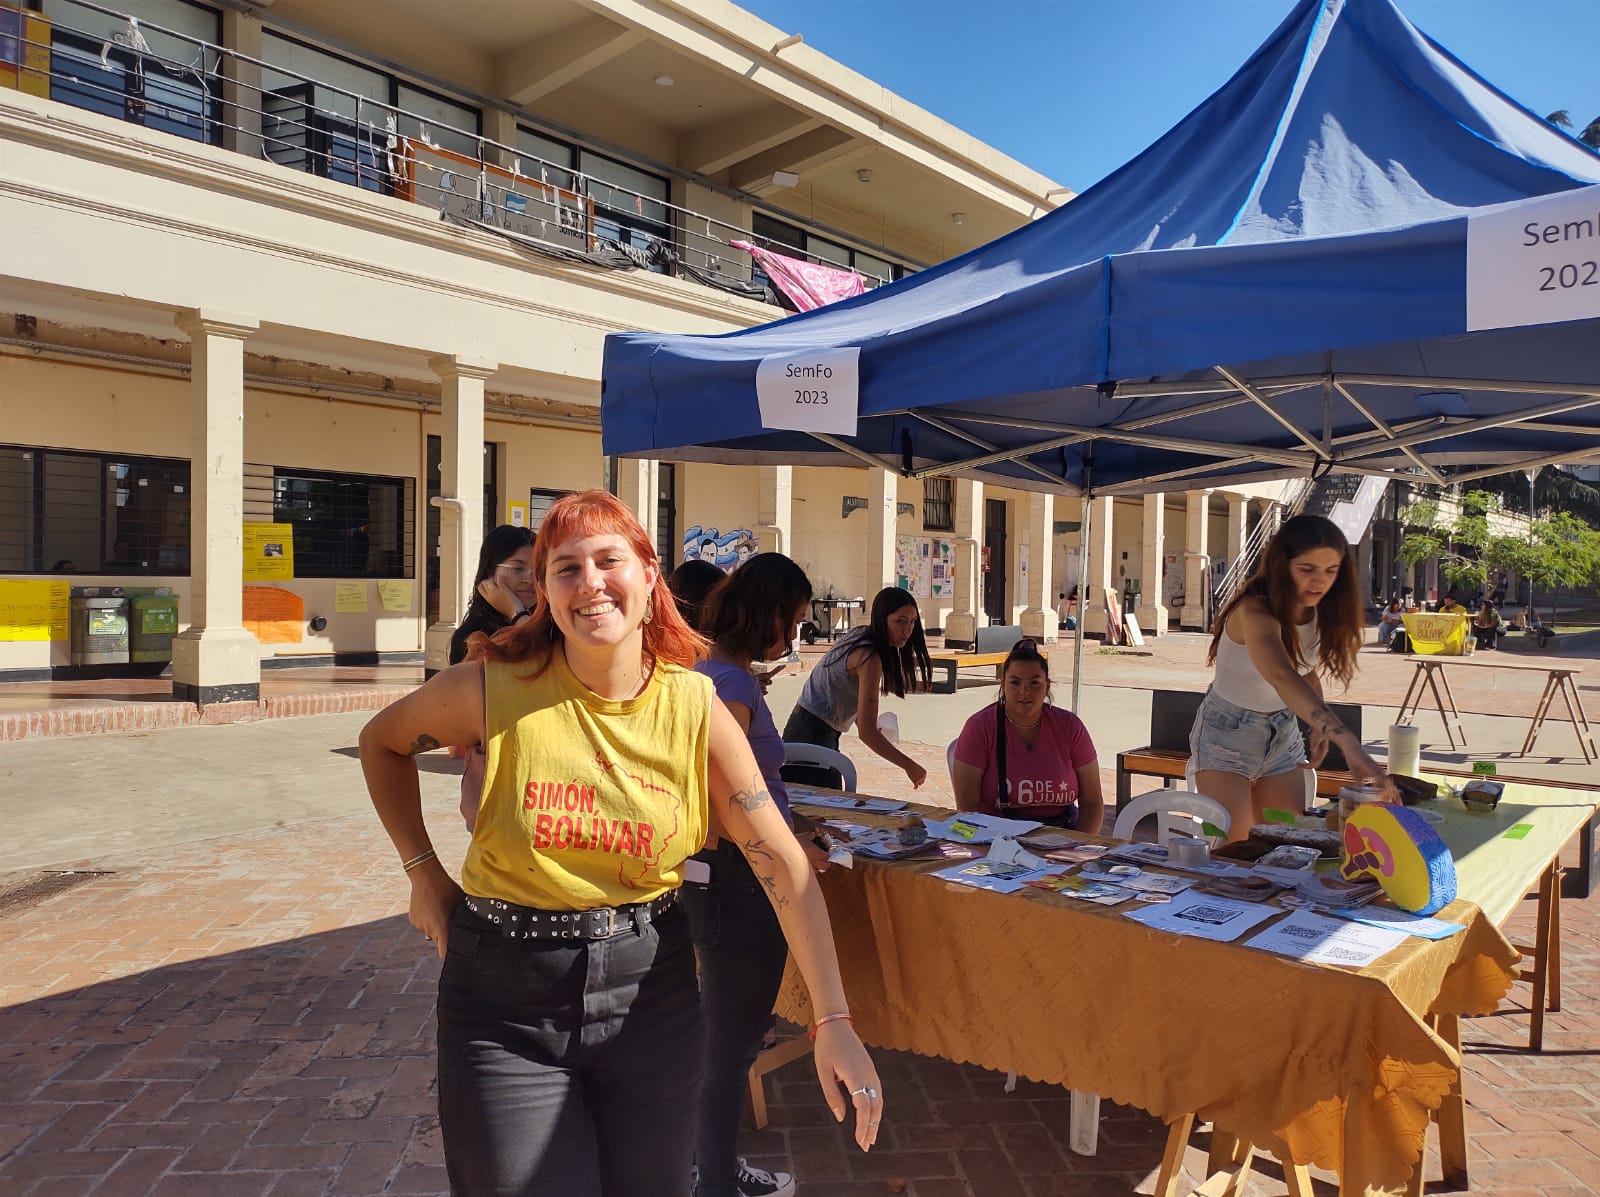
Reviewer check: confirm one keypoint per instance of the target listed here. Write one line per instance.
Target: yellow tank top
(588, 801)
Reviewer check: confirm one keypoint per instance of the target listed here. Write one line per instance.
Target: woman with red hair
(570, 1033)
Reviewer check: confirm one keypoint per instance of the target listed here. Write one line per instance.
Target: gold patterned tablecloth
(1319, 1064)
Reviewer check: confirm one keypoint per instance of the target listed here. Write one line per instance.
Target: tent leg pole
(1083, 597)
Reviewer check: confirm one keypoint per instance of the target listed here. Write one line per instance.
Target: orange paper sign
(275, 615)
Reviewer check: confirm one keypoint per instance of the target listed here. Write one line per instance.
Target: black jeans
(805, 728)
(742, 954)
(569, 1068)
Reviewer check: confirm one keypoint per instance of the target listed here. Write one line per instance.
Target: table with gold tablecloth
(1318, 1064)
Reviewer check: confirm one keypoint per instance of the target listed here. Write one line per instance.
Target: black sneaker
(756, 1182)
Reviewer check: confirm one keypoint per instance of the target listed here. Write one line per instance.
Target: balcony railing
(190, 88)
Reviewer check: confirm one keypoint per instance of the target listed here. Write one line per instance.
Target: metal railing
(204, 92)
(1240, 570)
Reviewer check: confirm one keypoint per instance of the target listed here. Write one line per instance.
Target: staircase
(1349, 500)
(1290, 502)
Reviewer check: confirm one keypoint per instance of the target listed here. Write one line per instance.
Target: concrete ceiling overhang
(746, 102)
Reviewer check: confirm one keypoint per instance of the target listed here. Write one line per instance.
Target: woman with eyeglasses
(1024, 757)
(502, 593)
(888, 656)
(570, 1034)
(503, 590)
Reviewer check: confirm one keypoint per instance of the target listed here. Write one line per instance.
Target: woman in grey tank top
(888, 656)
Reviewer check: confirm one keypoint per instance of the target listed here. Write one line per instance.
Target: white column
(460, 494)
(1196, 560)
(881, 523)
(1151, 610)
(638, 481)
(774, 508)
(241, 83)
(1364, 567)
(215, 659)
(1097, 569)
(1039, 614)
(961, 627)
(1238, 527)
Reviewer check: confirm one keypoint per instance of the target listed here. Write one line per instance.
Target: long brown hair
(1339, 620)
(590, 513)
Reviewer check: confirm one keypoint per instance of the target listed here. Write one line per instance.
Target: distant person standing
(503, 593)
(502, 590)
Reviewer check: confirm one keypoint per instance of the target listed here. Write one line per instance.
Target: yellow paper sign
(349, 598)
(268, 552)
(1437, 634)
(34, 610)
(395, 594)
(275, 615)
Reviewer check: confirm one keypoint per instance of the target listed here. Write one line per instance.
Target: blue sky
(1075, 88)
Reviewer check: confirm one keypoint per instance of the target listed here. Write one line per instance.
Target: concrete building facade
(297, 299)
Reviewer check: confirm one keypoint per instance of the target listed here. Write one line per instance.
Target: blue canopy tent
(1278, 286)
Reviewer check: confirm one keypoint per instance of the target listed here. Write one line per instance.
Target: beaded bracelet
(830, 1018)
(421, 858)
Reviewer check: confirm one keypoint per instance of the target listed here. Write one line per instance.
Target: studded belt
(528, 922)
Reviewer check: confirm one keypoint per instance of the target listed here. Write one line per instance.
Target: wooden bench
(990, 649)
(1172, 715)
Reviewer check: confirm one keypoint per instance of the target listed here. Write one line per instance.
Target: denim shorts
(1253, 744)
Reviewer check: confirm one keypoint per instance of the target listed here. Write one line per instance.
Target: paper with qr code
(1318, 939)
(1203, 916)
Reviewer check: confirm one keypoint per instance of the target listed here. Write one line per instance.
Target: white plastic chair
(950, 761)
(826, 758)
(1177, 812)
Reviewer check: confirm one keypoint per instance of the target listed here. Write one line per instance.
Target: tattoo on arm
(764, 865)
(1325, 723)
(753, 797)
(424, 743)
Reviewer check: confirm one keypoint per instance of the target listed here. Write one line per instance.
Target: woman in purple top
(749, 617)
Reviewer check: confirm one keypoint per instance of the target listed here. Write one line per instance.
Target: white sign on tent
(1535, 262)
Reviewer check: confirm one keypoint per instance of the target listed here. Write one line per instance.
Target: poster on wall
(1172, 579)
(268, 552)
(941, 571)
(725, 550)
(913, 565)
(274, 615)
(33, 610)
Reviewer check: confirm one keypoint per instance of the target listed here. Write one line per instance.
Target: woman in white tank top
(1297, 619)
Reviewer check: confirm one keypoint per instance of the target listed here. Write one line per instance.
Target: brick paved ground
(252, 1015)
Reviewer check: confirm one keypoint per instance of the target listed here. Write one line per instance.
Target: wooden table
(1430, 676)
(1319, 1064)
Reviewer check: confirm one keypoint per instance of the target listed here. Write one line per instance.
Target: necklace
(1024, 727)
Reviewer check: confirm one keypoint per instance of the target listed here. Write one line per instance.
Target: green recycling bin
(99, 625)
(153, 623)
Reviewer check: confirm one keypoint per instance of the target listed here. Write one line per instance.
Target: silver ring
(859, 1092)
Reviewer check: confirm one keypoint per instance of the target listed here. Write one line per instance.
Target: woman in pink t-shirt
(1048, 762)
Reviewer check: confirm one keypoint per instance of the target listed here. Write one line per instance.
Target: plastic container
(99, 623)
(1405, 749)
(1353, 796)
(153, 623)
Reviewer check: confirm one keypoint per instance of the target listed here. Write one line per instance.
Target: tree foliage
(1561, 118)
(1560, 550)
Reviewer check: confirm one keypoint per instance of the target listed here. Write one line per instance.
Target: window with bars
(346, 525)
(939, 504)
(73, 512)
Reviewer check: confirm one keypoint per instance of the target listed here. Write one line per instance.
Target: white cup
(1405, 749)
(889, 725)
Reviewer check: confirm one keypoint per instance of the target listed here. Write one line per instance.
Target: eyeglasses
(520, 572)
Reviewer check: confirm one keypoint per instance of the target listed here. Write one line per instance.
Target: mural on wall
(726, 550)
